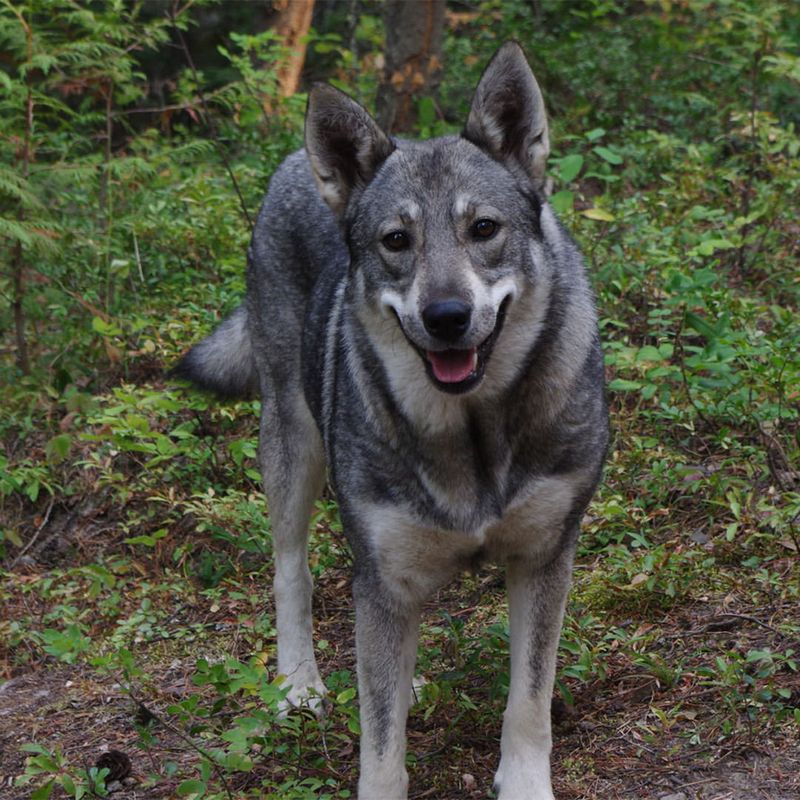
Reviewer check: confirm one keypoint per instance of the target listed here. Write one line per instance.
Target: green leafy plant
(55, 770)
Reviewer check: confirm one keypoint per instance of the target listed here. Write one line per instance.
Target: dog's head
(443, 234)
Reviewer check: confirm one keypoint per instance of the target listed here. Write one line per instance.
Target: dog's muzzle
(453, 369)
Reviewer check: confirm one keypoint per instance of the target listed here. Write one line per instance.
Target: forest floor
(660, 734)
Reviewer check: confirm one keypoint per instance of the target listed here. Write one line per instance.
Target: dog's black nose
(447, 319)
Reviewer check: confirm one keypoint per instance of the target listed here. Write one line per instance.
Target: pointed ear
(508, 118)
(344, 144)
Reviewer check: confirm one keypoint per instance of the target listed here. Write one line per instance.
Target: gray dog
(418, 321)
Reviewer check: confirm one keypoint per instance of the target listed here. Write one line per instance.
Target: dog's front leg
(293, 467)
(386, 649)
(536, 599)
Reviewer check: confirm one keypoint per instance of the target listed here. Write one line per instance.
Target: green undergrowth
(135, 540)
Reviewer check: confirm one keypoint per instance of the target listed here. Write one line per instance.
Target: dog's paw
(309, 694)
(516, 784)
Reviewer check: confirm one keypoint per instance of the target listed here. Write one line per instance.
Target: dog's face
(443, 234)
(440, 241)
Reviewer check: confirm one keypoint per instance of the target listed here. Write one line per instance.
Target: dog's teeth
(474, 360)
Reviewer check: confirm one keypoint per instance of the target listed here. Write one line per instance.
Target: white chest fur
(415, 559)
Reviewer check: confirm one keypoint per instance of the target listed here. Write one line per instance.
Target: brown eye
(396, 240)
(484, 229)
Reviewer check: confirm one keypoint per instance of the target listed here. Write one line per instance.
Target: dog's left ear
(508, 118)
(344, 144)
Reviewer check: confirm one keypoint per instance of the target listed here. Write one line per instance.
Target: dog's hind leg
(536, 599)
(293, 468)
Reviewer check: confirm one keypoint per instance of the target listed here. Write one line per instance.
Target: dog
(419, 323)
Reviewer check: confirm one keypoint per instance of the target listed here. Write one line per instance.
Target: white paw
(520, 782)
(382, 784)
(309, 692)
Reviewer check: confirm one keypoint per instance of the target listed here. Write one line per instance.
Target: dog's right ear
(344, 144)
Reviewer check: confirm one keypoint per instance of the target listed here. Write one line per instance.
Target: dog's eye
(484, 228)
(396, 240)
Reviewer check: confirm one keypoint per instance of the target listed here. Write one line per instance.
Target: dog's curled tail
(222, 363)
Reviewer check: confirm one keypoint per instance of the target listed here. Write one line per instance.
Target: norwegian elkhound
(418, 321)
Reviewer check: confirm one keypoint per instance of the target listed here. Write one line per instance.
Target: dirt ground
(89, 716)
(600, 749)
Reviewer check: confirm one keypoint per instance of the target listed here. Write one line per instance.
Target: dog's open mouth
(453, 366)
(457, 370)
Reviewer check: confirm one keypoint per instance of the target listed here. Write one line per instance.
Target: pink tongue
(452, 366)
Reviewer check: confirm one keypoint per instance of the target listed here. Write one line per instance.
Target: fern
(41, 241)
(15, 187)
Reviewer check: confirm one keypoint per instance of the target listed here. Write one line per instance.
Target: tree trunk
(18, 271)
(293, 23)
(104, 195)
(18, 261)
(413, 59)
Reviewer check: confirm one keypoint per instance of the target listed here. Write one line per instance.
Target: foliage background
(136, 141)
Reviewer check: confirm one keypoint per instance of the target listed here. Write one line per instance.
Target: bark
(413, 59)
(105, 170)
(293, 23)
(18, 259)
(104, 196)
(18, 270)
